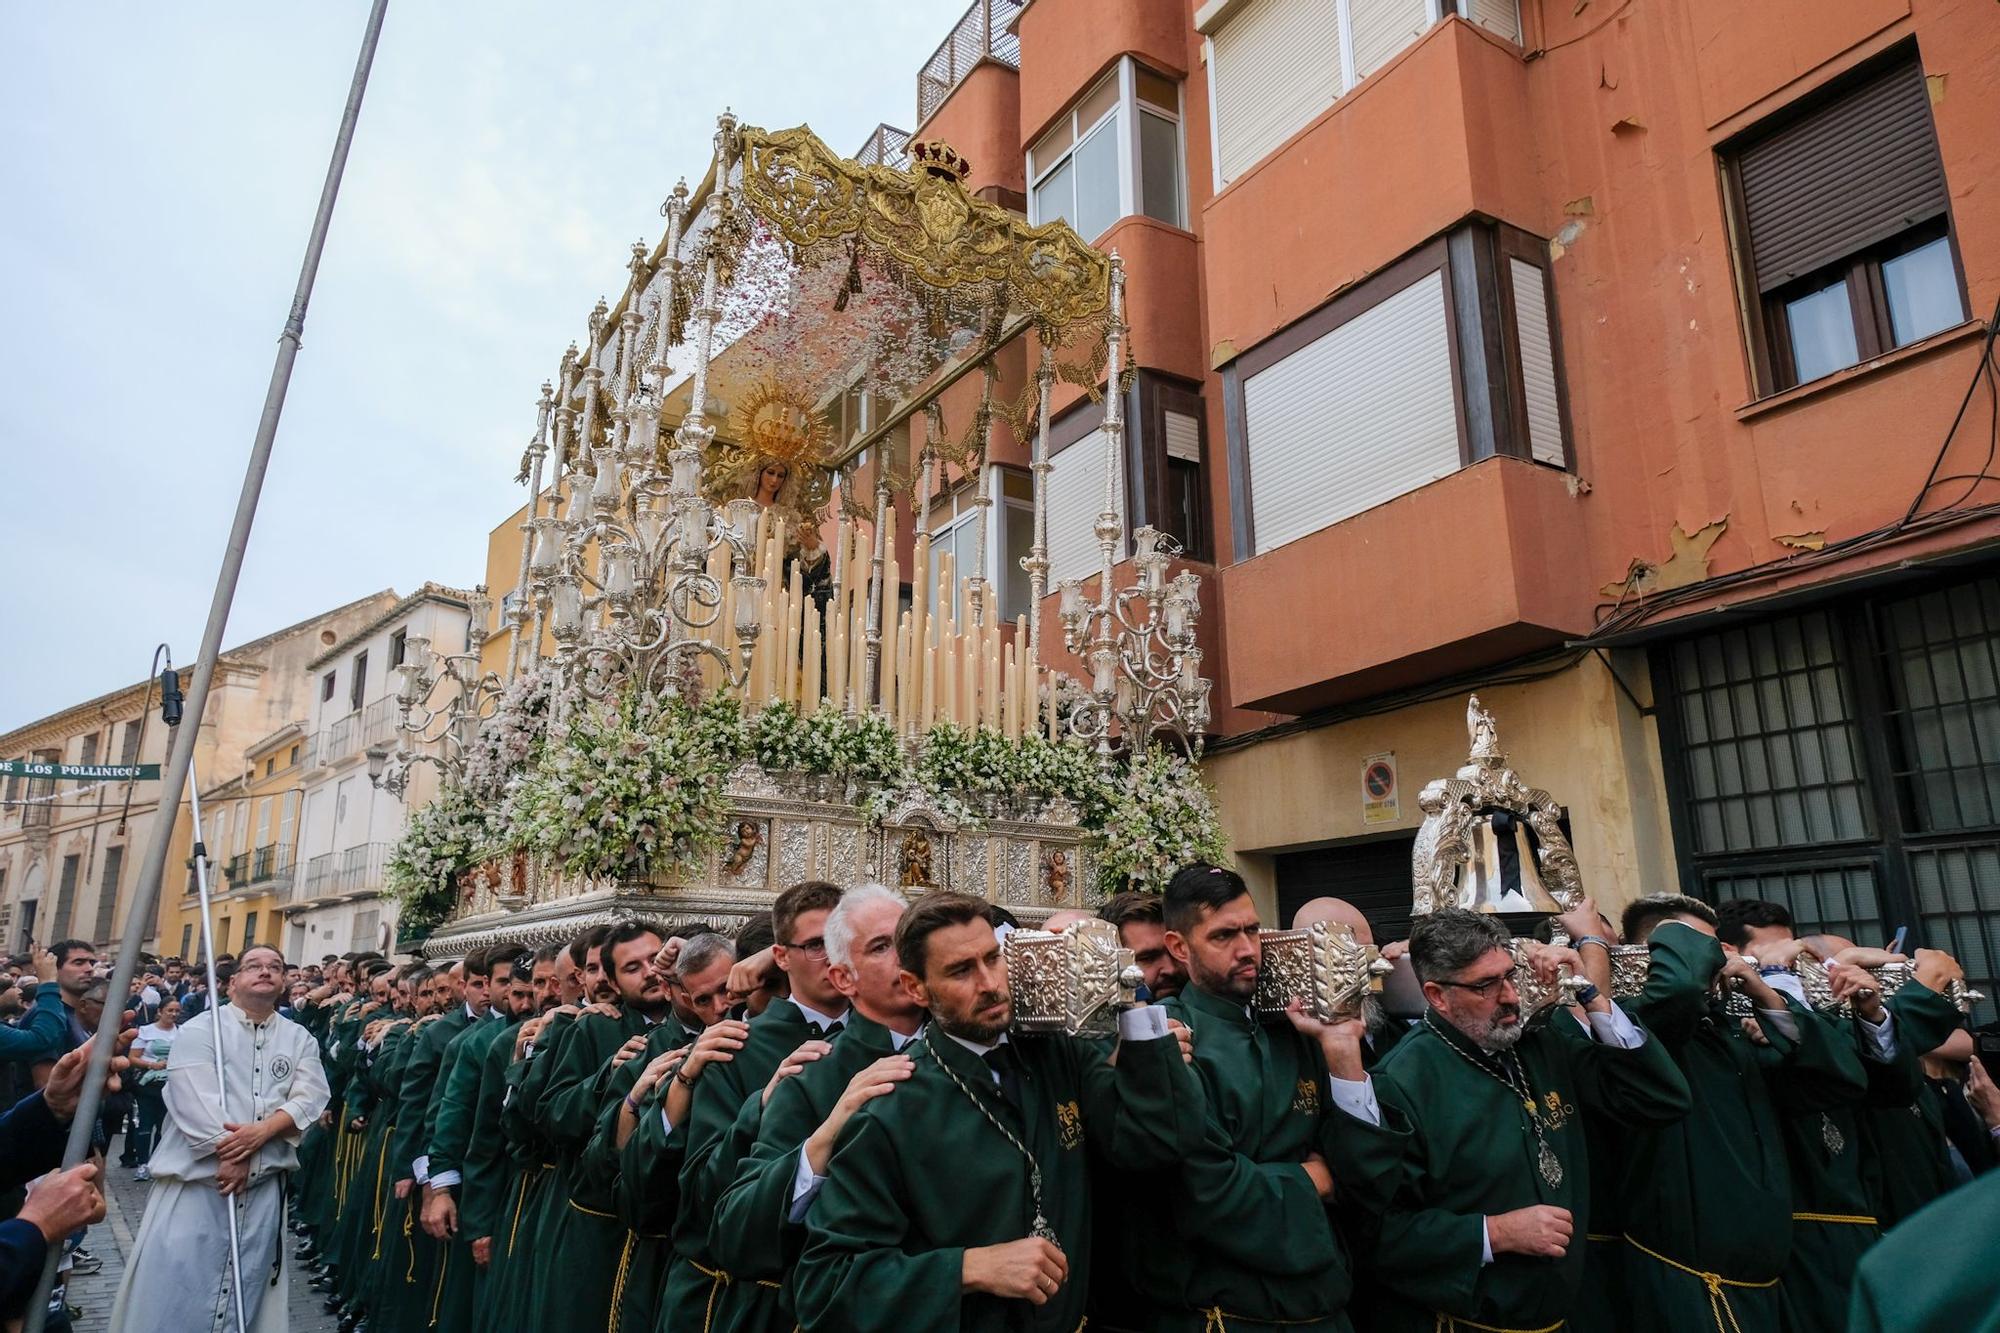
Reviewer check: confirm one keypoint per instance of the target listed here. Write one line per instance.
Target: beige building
(70, 852)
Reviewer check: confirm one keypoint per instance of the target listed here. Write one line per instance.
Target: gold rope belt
(381, 1160)
(437, 1294)
(618, 1285)
(409, 1274)
(519, 1203)
(1452, 1323)
(590, 1212)
(1216, 1320)
(1846, 1218)
(1597, 1235)
(717, 1280)
(1718, 1299)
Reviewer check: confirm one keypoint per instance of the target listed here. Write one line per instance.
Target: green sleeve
(1682, 965)
(1430, 1255)
(1147, 1112)
(413, 1100)
(649, 1171)
(855, 1272)
(1641, 1088)
(485, 1169)
(1819, 1071)
(40, 1035)
(571, 1101)
(599, 1163)
(527, 1100)
(752, 1235)
(718, 1098)
(451, 1128)
(1924, 1018)
(1263, 1216)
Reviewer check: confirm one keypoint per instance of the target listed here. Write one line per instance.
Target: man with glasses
(730, 1064)
(219, 1154)
(1492, 1205)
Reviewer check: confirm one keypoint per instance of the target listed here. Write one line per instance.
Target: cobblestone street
(111, 1241)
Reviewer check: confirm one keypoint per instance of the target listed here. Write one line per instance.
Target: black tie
(1003, 1062)
(827, 1033)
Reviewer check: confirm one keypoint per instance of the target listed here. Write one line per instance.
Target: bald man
(1383, 1031)
(1335, 912)
(1064, 919)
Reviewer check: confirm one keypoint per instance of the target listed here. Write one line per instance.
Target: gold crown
(939, 159)
(779, 423)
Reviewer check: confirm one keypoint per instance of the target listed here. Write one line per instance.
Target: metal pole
(180, 755)
(208, 943)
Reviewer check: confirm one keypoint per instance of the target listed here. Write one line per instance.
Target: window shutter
(1183, 434)
(1499, 16)
(107, 893)
(1837, 180)
(1075, 499)
(65, 897)
(1538, 362)
(1273, 66)
(1359, 416)
(1381, 28)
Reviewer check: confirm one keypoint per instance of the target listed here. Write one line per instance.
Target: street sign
(35, 768)
(1380, 803)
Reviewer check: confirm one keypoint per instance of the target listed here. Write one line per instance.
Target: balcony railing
(981, 35)
(886, 147)
(343, 738)
(318, 881)
(378, 722)
(360, 868)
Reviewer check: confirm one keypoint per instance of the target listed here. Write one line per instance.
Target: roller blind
(1538, 362)
(1075, 498)
(1500, 16)
(1359, 416)
(1839, 179)
(1381, 28)
(1273, 66)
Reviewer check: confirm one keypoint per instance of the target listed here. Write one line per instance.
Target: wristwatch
(1586, 993)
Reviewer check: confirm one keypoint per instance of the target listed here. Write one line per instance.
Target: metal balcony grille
(378, 723)
(980, 35)
(886, 147)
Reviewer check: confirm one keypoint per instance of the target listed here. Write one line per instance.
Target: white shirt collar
(977, 1048)
(818, 1019)
(900, 1041)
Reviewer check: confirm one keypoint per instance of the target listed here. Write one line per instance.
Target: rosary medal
(1043, 1230)
(1552, 1167)
(1830, 1135)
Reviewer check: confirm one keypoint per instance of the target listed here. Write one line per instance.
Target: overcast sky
(159, 167)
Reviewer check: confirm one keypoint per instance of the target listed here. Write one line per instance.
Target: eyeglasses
(812, 948)
(1486, 989)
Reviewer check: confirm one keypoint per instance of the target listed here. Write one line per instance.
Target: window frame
(1767, 330)
(1130, 187)
(962, 512)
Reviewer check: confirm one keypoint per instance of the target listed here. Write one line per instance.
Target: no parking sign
(1380, 803)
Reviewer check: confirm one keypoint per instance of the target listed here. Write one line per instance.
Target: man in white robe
(213, 1157)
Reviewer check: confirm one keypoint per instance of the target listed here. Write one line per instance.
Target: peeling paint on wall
(1802, 541)
(1560, 243)
(1688, 563)
(1934, 85)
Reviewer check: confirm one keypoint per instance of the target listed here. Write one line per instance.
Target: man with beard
(729, 1067)
(698, 968)
(1246, 1238)
(1487, 1222)
(576, 1261)
(961, 1200)
(461, 1002)
(1708, 1220)
(758, 1228)
(510, 992)
(219, 1156)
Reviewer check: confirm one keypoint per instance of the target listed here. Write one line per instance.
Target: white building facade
(346, 825)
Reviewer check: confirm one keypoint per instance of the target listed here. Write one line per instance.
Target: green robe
(1238, 1227)
(409, 1304)
(383, 1248)
(450, 1145)
(642, 1254)
(521, 1125)
(921, 1175)
(752, 1235)
(1906, 1155)
(1472, 1152)
(694, 1280)
(1712, 1193)
(312, 1181)
(1935, 1273)
(491, 1175)
(577, 1251)
(1833, 1221)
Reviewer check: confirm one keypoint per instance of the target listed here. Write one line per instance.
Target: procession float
(726, 669)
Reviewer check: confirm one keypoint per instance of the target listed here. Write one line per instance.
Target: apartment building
(249, 824)
(70, 852)
(333, 899)
(1599, 358)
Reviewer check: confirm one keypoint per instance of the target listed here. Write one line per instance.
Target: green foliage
(440, 842)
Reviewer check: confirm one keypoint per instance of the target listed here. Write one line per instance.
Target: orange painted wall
(1066, 44)
(980, 120)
